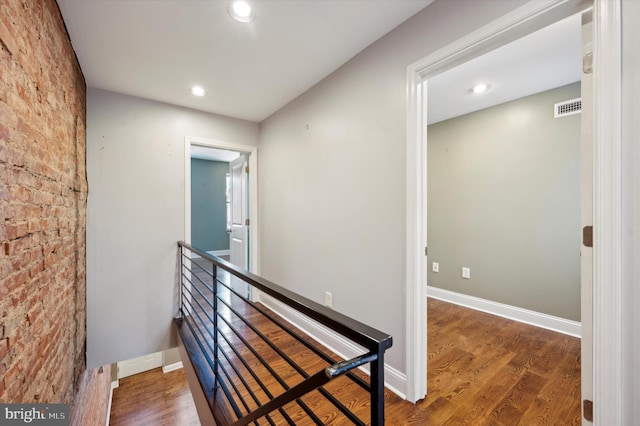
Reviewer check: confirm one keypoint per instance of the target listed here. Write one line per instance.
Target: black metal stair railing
(254, 367)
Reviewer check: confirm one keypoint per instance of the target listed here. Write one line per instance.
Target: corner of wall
(93, 398)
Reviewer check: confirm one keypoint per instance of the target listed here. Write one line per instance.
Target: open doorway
(217, 160)
(607, 94)
(504, 154)
(525, 20)
(503, 178)
(211, 199)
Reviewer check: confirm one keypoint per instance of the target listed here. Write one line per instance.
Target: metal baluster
(375, 341)
(377, 390)
(181, 283)
(215, 325)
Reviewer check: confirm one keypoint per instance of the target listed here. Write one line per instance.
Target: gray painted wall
(359, 113)
(209, 205)
(135, 216)
(504, 200)
(332, 197)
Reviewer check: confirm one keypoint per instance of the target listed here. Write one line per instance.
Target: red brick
(22, 229)
(19, 262)
(4, 348)
(16, 246)
(19, 297)
(42, 164)
(6, 35)
(5, 153)
(15, 281)
(4, 193)
(11, 232)
(5, 133)
(14, 376)
(36, 268)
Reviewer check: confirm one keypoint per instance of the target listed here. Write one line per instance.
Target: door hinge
(587, 236)
(246, 222)
(587, 60)
(425, 251)
(587, 409)
(246, 169)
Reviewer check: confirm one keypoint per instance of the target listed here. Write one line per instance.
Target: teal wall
(208, 205)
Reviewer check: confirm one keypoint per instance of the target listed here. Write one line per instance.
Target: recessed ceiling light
(241, 11)
(197, 91)
(479, 88)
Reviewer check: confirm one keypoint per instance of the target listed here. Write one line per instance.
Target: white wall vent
(570, 107)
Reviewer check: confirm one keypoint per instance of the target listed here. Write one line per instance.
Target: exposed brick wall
(91, 402)
(43, 192)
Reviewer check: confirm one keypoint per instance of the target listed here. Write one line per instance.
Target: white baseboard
(171, 367)
(140, 364)
(550, 322)
(114, 384)
(394, 379)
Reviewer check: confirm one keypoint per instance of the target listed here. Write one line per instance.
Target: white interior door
(586, 249)
(238, 243)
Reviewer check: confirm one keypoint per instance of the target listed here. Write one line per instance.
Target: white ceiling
(159, 49)
(546, 59)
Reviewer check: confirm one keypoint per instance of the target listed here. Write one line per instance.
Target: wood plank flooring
(154, 398)
(482, 369)
(487, 370)
(245, 379)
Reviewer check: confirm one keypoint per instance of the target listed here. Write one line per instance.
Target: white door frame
(189, 141)
(607, 82)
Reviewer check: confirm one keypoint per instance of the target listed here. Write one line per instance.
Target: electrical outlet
(435, 267)
(466, 273)
(328, 299)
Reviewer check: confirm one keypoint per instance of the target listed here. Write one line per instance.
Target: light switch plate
(466, 272)
(328, 299)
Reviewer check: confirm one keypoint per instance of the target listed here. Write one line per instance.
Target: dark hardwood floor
(154, 398)
(482, 369)
(487, 370)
